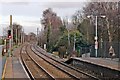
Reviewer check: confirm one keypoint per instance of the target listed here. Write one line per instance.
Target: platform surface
(14, 68)
(112, 64)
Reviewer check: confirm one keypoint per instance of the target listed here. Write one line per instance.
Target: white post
(45, 47)
(96, 38)
(74, 42)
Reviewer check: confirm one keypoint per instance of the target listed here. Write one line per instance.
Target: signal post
(10, 37)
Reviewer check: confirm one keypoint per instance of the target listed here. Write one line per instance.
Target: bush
(1, 41)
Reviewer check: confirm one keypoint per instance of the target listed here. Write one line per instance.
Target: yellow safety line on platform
(3, 75)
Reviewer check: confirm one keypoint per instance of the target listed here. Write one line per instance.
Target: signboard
(96, 45)
(45, 46)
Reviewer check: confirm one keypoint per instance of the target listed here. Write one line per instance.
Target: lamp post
(96, 34)
(74, 22)
(68, 33)
(96, 37)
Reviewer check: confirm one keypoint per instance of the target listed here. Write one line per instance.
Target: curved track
(34, 70)
(40, 68)
(68, 69)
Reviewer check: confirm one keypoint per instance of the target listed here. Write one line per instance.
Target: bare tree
(107, 27)
(51, 23)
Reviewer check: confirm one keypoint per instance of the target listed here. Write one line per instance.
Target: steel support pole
(96, 37)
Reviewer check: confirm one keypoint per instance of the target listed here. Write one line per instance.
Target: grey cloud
(15, 3)
(65, 4)
(37, 21)
(31, 9)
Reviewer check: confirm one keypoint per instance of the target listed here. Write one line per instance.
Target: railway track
(55, 71)
(70, 70)
(38, 68)
(34, 70)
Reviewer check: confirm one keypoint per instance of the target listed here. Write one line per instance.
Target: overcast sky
(29, 12)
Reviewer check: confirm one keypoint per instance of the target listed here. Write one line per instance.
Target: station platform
(13, 68)
(108, 63)
(102, 62)
(105, 69)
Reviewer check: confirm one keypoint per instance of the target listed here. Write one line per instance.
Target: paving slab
(14, 67)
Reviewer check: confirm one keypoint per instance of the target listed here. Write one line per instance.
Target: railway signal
(9, 34)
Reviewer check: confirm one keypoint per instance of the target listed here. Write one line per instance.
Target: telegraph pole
(11, 39)
(23, 35)
(16, 36)
(37, 36)
(119, 31)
